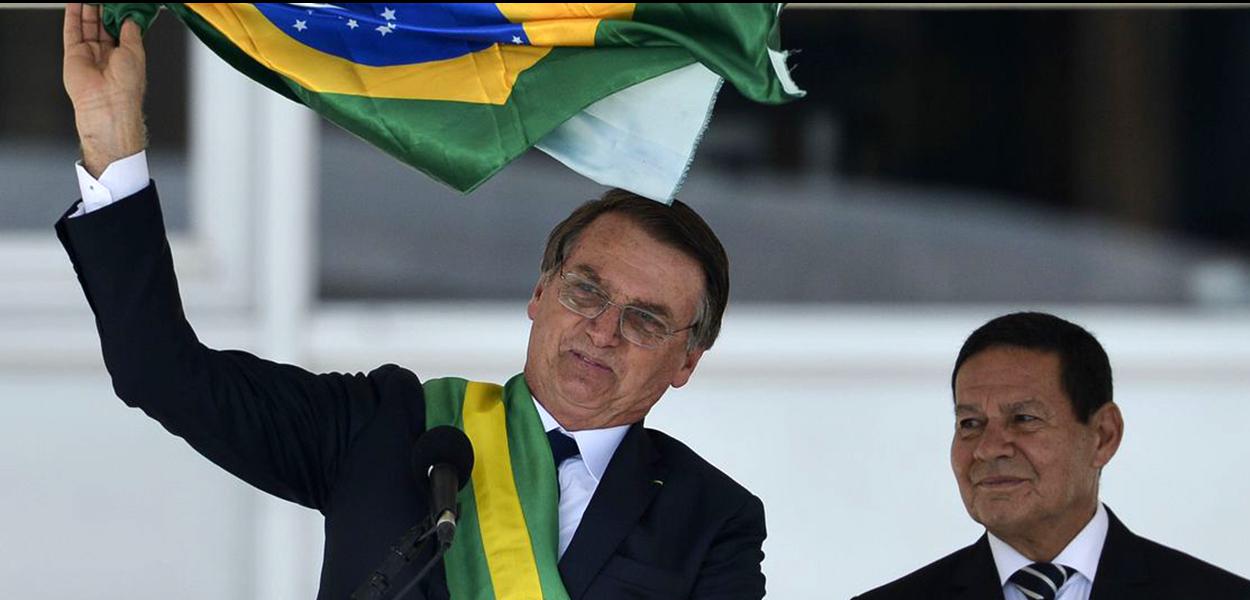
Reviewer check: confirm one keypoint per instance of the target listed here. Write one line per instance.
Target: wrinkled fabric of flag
(620, 93)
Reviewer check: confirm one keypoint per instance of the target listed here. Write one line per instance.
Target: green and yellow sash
(506, 544)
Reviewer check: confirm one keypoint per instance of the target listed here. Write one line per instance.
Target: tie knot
(563, 447)
(1040, 581)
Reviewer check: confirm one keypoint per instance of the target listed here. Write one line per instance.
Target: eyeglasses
(641, 327)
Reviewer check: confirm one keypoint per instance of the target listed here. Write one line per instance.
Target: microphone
(444, 456)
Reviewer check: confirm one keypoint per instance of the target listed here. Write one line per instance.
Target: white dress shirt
(580, 475)
(120, 178)
(1082, 554)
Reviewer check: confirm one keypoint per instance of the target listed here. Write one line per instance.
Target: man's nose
(995, 442)
(605, 330)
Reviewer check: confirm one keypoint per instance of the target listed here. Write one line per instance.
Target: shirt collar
(595, 445)
(1082, 553)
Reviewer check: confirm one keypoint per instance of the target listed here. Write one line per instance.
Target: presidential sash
(507, 539)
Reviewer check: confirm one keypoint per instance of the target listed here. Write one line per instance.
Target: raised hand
(105, 81)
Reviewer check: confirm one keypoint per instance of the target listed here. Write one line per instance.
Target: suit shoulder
(394, 378)
(389, 388)
(682, 459)
(921, 582)
(1181, 567)
(385, 382)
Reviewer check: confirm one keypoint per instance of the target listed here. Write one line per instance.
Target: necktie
(562, 446)
(1040, 581)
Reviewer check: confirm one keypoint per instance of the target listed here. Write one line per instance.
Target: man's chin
(999, 515)
(585, 386)
(583, 397)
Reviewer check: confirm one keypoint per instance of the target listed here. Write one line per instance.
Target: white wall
(96, 501)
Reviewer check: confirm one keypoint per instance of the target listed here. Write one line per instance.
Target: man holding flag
(620, 93)
(570, 496)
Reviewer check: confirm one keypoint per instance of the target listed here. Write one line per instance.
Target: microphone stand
(438, 555)
(401, 554)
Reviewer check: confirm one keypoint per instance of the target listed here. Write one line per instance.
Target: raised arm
(279, 427)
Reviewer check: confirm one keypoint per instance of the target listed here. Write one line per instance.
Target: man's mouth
(999, 482)
(590, 362)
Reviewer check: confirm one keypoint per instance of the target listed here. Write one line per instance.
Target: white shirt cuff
(123, 177)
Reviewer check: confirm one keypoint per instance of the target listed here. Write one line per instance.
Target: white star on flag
(383, 29)
(516, 39)
(300, 25)
(388, 14)
(351, 23)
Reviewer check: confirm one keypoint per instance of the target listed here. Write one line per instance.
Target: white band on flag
(641, 138)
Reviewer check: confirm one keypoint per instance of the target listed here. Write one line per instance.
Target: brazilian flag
(619, 92)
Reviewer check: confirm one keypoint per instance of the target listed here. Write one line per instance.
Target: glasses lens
(640, 327)
(582, 297)
(643, 328)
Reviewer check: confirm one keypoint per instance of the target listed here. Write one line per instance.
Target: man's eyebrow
(658, 310)
(1013, 407)
(1033, 403)
(589, 273)
(654, 308)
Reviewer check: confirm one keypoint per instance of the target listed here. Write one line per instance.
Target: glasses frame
(567, 286)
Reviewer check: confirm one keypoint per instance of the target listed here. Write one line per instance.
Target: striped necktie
(1040, 581)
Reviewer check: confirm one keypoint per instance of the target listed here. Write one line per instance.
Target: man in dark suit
(630, 295)
(1034, 426)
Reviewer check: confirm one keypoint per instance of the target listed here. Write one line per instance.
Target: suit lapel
(1122, 570)
(975, 576)
(624, 493)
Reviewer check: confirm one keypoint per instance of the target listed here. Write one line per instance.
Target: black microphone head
(443, 445)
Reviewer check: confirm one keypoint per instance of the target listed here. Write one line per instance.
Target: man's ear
(687, 368)
(532, 308)
(1108, 424)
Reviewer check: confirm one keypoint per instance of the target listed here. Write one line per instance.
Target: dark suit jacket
(1131, 567)
(340, 443)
